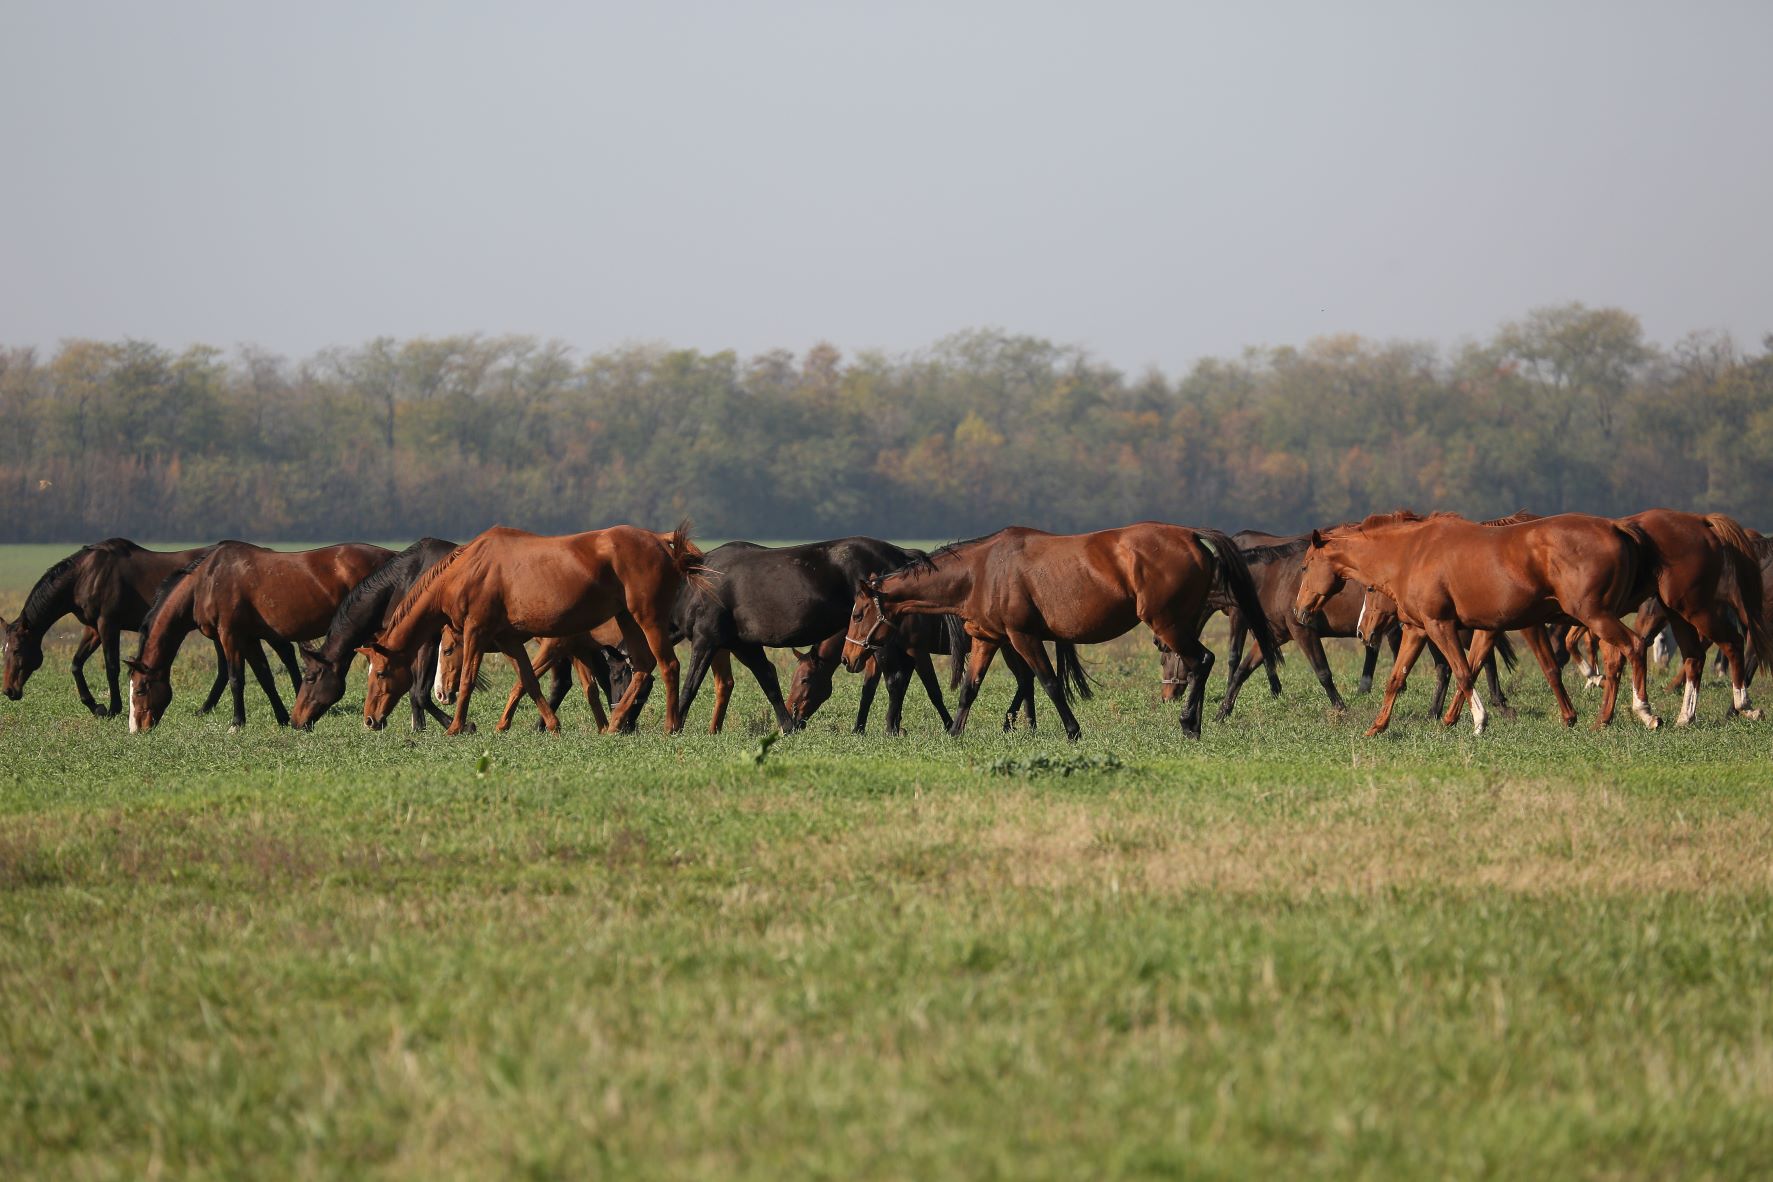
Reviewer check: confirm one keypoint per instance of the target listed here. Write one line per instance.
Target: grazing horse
(1445, 572)
(508, 586)
(239, 594)
(782, 597)
(1019, 587)
(108, 586)
(356, 622)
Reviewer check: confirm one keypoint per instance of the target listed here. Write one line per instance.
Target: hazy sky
(1156, 182)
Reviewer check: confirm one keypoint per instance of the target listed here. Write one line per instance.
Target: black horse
(109, 587)
(356, 622)
(784, 597)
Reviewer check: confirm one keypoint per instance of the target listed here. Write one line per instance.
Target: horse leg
(1443, 673)
(702, 654)
(1445, 636)
(109, 641)
(221, 680)
(1408, 649)
(470, 673)
(1726, 634)
(261, 669)
(425, 688)
(722, 666)
(1498, 699)
(898, 680)
(1480, 652)
(1368, 663)
(526, 681)
(932, 686)
(1540, 645)
(1024, 696)
(595, 687)
(1312, 645)
(286, 652)
(1239, 632)
(977, 664)
(763, 669)
(1235, 684)
(1034, 654)
(649, 648)
(236, 683)
(89, 642)
(870, 684)
(1620, 643)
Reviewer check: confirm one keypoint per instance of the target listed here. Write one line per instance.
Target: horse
(239, 594)
(108, 586)
(1022, 586)
(1444, 572)
(508, 586)
(1704, 564)
(1275, 570)
(1172, 682)
(783, 597)
(359, 616)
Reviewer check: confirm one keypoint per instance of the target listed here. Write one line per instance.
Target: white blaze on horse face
(134, 727)
(1360, 625)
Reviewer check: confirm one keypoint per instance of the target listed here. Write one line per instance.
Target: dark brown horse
(1019, 587)
(508, 586)
(107, 586)
(239, 594)
(1445, 572)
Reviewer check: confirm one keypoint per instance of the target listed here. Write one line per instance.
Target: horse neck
(176, 619)
(923, 591)
(357, 621)
(1379, 560)
(415, 624)
(50, 600)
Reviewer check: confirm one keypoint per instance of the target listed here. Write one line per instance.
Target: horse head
(1320, 581)
(150, 693)
(24, 655)
(811, 684)
(869, 626)
(323, 684)
(390, 677)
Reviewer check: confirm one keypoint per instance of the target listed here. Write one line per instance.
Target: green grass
(1284, 950)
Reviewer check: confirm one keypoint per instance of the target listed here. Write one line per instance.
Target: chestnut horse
(357, 620)
(1444, 572)
(508, 586)
(239, 594)
(1022, 586)
(107, 586)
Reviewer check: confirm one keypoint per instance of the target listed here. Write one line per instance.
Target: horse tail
(1644, 559)
(686, 556)
(1504, 651)
(960, 645)
(1074, 683)
(1236, 573)
(1745, 592)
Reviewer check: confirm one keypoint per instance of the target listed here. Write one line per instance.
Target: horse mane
(53, 582)
(1274, 551)
(1518, 517)
(421, 584)
(169, 585)
(928, 561)
(1395, 517)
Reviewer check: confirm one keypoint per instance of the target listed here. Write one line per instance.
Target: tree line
(1568, 408)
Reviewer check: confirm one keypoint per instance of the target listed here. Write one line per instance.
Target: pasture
(1282, 949)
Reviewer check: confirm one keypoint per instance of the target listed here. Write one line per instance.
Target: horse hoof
(1753, 714)
(1506, 712)
(1374, 732)
(235, 728)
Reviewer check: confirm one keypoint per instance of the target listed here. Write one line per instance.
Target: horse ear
(371, 651)
(311, 654)
(800, 656)
(1317, 540)
(135, 665)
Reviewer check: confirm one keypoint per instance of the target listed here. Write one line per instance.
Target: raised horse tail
(686, 556)
(1236, 573)
(1745, 591)
(1074, 683)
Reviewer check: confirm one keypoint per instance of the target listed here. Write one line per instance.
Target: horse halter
(866, 644)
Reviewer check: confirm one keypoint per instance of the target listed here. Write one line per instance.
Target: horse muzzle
(13, 693)
(374, 724)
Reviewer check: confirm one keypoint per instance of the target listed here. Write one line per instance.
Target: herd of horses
(612, 605)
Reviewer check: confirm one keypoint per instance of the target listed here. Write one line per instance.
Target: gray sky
(1156, 182)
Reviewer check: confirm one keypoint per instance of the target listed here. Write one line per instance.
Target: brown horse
(1022, 586)
(1445, 572)
(239, 594)
(107, 586)
(1703, 565)
(508, 586)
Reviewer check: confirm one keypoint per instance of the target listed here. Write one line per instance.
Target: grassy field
(1283, 950)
